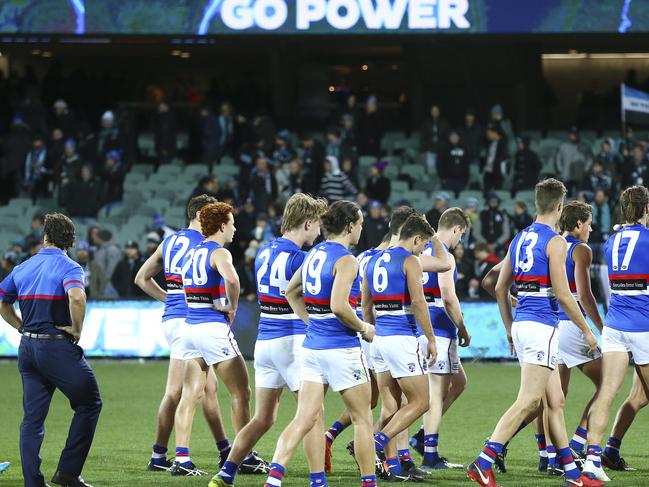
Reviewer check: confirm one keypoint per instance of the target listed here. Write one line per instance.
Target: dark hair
(197, 203)
(204, 180)
(386, 238)
(339, 216)
(573, 213)
(416, 225)
(213, 217)
(38, 216)
(481, 247)
(59, 230)
(452, 217)
(548, 194)
(399, 217)
(633, 202)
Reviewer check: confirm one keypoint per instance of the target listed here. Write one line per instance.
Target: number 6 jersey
(627, 256)
(275, 265)
(531, 271)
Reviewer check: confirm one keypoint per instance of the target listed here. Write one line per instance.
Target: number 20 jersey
(204, 286)
(531, 270)
(174, 250)
(275, 265)
(325, 331)
(627, 256)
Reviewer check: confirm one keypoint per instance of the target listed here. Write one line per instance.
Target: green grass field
(131, 393)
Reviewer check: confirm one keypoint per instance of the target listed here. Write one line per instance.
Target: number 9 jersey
(531, 271)
(275, 265)
(627, 256)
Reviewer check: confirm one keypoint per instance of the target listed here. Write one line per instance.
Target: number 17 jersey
(275, 265)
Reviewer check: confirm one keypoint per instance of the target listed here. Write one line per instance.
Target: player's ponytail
(633, 202)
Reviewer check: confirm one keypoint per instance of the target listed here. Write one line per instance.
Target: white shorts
(367, 351)
(213, 342)
(573, 349)
(536, 343)
(341, 368)
(636, 342)
(172, 330)
(400, 355)
(448, 357)
(277, 362)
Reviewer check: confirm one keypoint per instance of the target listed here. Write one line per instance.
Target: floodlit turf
(131, 392)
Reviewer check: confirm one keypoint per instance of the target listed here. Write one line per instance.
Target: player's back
(442, 324)
(627, 256)
(531, 271)
(325, 330)
(275, 265)
(176, 249)
(385, 273)
(363, 258)
(572, 244)
(204, 286)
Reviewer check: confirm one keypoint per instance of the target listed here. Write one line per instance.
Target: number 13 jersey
(325, 331)
(531, 270)
(275, 265)
(627, 256)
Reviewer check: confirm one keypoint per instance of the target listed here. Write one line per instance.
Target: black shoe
(223, 456)
(402, 477)
(163, 466)
(555, 470)
(499, 462)
(417, 441)
(253, 464)
(615, 463)
(189, 470)
(68, 480)
(410, 468)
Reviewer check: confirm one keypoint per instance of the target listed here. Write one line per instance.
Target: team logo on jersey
(553, 360)
(441, 365)
(540, 356)
(411, 367)
(357, 374)
(225, 351)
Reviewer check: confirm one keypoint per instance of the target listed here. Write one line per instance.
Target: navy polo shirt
(40, 284)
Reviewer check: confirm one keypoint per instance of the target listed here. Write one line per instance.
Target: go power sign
(331, 16)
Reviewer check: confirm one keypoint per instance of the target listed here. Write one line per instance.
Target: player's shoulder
(70, 264)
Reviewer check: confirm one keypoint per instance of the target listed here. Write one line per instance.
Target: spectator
(160, 227)
(472, 135)
(63, 119)
(611, 159)
(55, 148)
(263, 231)
(289, 179)
(263, 185)
(527, 166)
(113, 175)
(246, 272)
(370, 128)
(351, 109)
(245, 222)
(210, 132)
(521, 218)
(471, 210)
(374, 227)
(349, 169)
(164, 133)
(465, 271)
(313, 154)
(83, 198)
(335, 185)
(226, 130)
(108, 139)
(598, 179)
(36, 170)
(95, 278)
(15, 147)
(263, 130)
(440, 206)
(504, 125)
(208, 185)
(336, 147)
(378, 187)
(573, 160)
(495, 162)
(107, 255)
(123, 276)
(35, 234)
(433, 135)
(282, 152)
(9, 261)
(454, 164)
(348, 132)
(636, 168)
(601, 223)
(485, 260)
(68, 168)
(494, 225)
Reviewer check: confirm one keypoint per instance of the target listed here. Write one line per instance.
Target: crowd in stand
(52, 152)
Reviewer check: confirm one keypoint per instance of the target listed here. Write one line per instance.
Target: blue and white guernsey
(443, 326)
(363, 258)
(275, 265)
(627, 256)
(176, 249)
(531, 270)
(572, 243)
(389, 287)
(325, 331)
(204, 286)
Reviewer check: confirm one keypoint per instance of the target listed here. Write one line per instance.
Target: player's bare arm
(144, 278)
(77, 300)
(295, 297)
(440, 262)
(489, 283)
(367, 303)
(345, 272)
(221, 260)
(583, 257)
(412, 268)
(557, 252)
(503, 285)
(452, 304)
